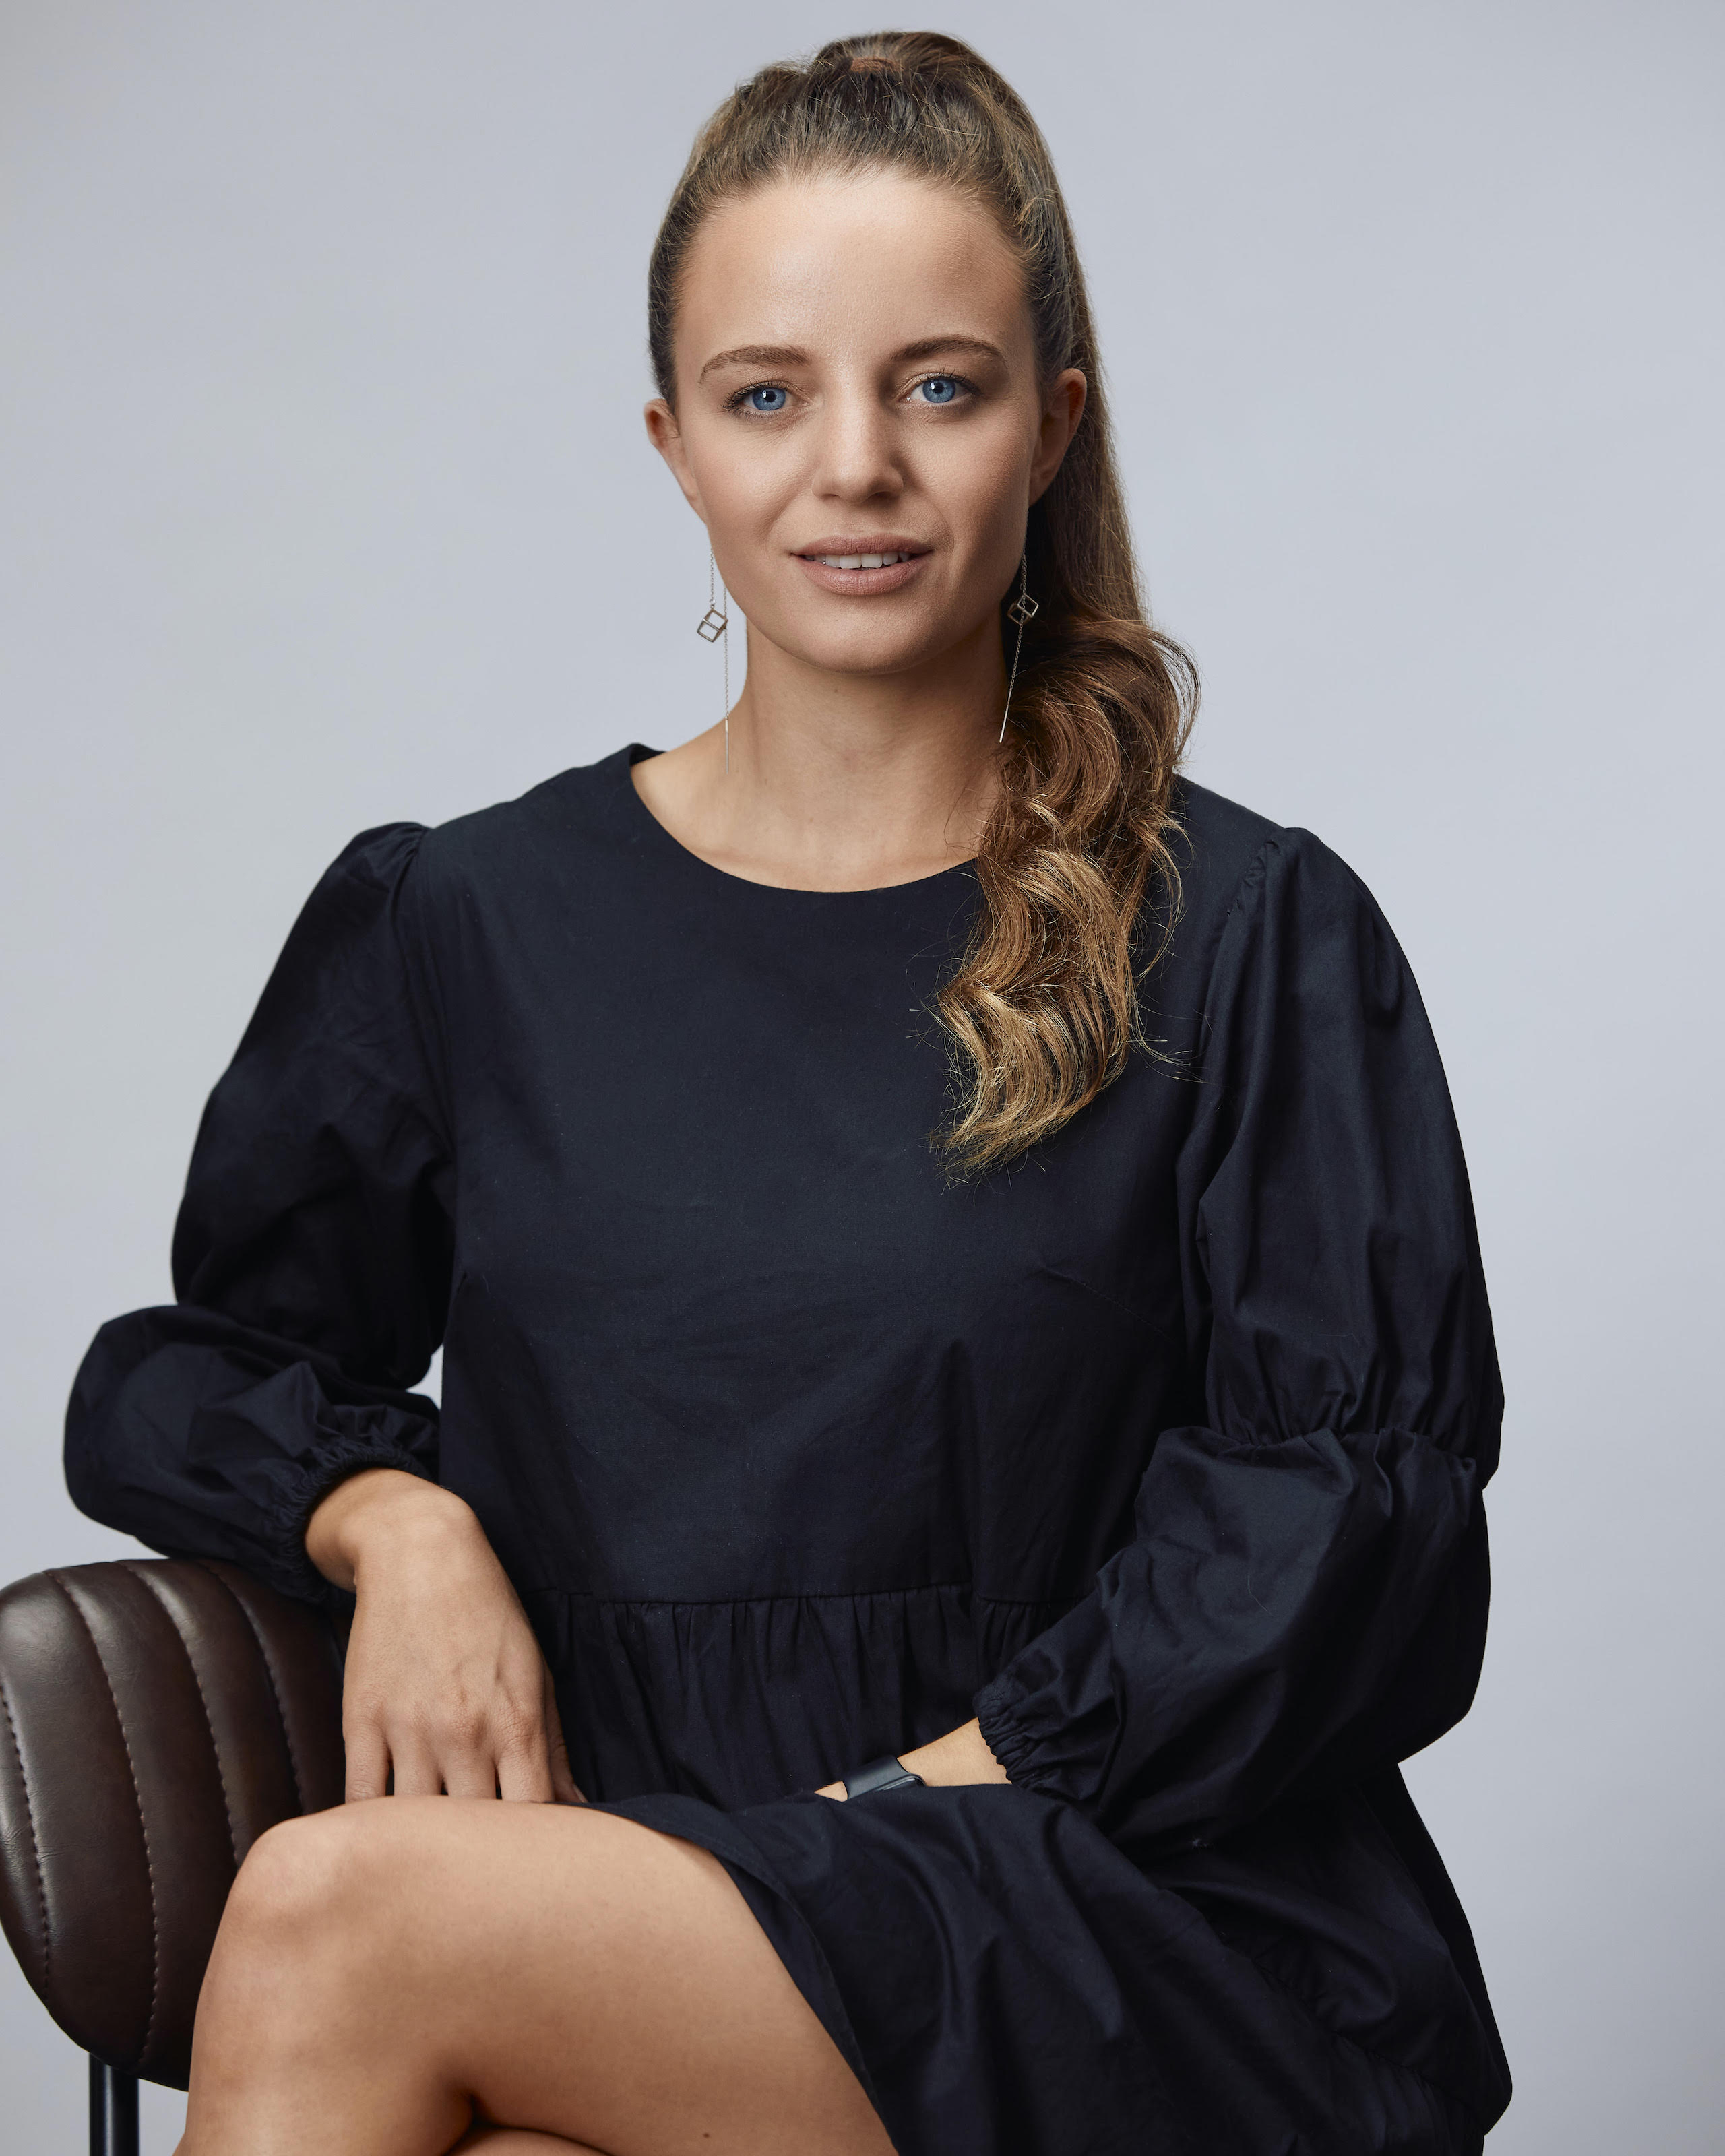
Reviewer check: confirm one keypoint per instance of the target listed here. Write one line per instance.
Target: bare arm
(445, 1686)
(961, 1755)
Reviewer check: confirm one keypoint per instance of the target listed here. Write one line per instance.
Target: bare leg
(510, 2141)
(386, 1972)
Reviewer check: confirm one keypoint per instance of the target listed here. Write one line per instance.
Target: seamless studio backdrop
(325, 501)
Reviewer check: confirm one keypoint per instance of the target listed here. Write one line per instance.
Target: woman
(967, 1378)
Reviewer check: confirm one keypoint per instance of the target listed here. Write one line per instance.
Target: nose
(857, 459)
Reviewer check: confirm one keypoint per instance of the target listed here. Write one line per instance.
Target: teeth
(861, 560)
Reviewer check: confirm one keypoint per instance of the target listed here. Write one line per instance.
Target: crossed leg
(414, 1975)
(509, 2141)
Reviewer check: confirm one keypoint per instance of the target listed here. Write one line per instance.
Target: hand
(961, 1756)
(445, 1686)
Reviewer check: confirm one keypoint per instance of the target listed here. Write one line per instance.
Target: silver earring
(711, 629)
(1023, 609)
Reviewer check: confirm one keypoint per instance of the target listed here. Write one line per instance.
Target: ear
(1060, 415)
(666, 436)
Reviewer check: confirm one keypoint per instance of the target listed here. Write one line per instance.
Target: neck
(837, 782)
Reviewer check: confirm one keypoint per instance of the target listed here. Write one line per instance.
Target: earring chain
(711, 629)
(1023, 609)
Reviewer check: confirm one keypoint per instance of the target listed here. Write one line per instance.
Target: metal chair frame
(113, 2111)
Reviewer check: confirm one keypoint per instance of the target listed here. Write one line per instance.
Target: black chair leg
(113, 2111)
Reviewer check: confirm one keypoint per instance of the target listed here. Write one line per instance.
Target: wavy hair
(1042, 1010)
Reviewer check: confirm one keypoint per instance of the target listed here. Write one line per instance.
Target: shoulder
(552, 828)
(411, 887)
(1231, 859)
(1217, 845)
(552, 854)
(1249, 884)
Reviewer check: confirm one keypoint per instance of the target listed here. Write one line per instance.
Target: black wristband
(882, 1774)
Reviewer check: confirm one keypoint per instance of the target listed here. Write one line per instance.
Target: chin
(876, 665)
(865, 650)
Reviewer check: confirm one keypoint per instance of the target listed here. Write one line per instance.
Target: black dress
(1160, 1450)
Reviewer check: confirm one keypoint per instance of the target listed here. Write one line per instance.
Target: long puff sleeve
(311, 1259)
(1303, 1601)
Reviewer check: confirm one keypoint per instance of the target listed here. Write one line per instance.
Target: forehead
(836, 262)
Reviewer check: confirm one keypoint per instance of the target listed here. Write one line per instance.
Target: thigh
(516, 2141)
(582, 1976)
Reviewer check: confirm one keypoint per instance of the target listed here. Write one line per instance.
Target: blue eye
(767, 399)
(939, 389)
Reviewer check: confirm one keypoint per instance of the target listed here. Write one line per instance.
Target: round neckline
(639, 752)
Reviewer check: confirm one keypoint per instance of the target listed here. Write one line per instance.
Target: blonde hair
(1042, 1009)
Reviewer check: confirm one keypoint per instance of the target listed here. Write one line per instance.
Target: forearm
(961, 1756)
(445, 1686)
(378, 1503)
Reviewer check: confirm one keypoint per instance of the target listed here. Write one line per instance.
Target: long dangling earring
(711, 629)
(1023, 609)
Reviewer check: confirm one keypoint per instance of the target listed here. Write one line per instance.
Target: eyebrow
(791, 355)
(929, 348)
(756, 355)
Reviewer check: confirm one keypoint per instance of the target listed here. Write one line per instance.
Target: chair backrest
(159, 1715)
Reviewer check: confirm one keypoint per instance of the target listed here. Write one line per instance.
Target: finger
(524, 1771)
(368, 1774)
(564, 1789)
(468, 1773)
(415, 1765)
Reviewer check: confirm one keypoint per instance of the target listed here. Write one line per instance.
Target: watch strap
(888, 1774)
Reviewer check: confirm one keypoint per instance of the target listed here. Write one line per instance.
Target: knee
(292, 1876)
(311, 1890)
(297, 1959)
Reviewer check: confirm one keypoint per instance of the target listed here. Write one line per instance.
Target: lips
(862, 565)
(861, 550)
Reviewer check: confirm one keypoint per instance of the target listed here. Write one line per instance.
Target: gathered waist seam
(750, 1601)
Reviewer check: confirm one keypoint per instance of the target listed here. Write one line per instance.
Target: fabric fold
(311, 1259)
(1301, 1599)
(1244, 1645)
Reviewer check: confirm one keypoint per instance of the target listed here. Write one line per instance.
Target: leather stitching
(35, 1839)
(148, 1579)
(137, 1796)
(287, 1734)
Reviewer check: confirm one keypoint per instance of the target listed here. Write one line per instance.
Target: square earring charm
(1022, 608)
(712, 625)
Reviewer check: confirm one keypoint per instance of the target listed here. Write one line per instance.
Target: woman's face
(855, 377)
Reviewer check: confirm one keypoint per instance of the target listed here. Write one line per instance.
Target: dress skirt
(1004, 1981)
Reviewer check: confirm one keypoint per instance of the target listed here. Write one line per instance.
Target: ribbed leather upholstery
(158, 1717)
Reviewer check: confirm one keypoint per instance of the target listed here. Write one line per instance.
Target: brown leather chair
(159, 1716)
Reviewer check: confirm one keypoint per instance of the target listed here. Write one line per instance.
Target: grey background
(324, 500)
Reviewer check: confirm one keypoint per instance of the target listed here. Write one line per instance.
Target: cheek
(741, 479)
(981, 478)
(746, 497)
(740, 493)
